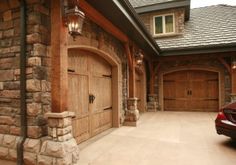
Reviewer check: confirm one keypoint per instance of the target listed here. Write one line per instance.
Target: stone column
(60, 147)
(132, 114)
(153, 104)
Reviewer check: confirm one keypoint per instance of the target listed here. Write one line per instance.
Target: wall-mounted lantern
(139, 58)
(74, 19)
(234, 64)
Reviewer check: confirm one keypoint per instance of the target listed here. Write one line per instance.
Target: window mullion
(164, 24)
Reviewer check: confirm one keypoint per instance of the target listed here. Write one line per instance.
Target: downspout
(23, 114)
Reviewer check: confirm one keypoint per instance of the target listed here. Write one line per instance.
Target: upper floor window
(164, 24)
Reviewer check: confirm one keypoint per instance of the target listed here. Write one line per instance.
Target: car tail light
(221, 116)
(230, 114)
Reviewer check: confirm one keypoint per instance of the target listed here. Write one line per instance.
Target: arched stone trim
(116, 78)
(220, 72)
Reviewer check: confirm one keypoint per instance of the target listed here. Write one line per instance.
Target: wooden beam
(132, 83)
(157, 67)
(59, 80)
(131, 71)
(100, 20)
(226, 65)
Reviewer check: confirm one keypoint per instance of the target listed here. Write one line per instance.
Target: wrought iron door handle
(91, 98)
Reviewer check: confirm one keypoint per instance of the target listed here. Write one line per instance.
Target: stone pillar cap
(134, 98)
(152, 94)
(60, 115)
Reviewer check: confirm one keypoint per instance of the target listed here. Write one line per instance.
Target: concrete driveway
(162, 138)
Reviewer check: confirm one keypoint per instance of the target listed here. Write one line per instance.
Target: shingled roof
(141, 3)
(212, 26)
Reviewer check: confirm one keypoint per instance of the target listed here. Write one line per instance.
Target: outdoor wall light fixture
(74, 19)
(139, 58)
(234, 64)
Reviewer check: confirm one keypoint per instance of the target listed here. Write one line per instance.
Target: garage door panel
(175, 105)
(176, 76)
(212, 86)
(169, 87)
(78, 62)
(106, 118)
(107, 96)
(99, 66)
(78, 94)
(180, 89)
(213, 105)
(80, 128)
(198, 104)
(102, 90)
(95, 123)
(198, 89)
(197, 75)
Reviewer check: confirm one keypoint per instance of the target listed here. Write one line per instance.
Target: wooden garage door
(90, 94)
(191, 91)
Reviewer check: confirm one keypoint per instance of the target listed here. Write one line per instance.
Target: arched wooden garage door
(90, 94)
(192, 90)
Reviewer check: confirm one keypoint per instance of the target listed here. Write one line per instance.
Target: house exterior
(194, 71)
(57, 91)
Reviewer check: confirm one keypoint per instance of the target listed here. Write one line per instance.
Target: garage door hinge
(107, 76)
(109, 108)
(70, 70)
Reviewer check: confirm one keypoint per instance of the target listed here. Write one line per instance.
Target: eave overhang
(199, 50)
(166, 5)
(122, 15)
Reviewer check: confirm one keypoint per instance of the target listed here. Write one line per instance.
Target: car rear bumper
(225, 127)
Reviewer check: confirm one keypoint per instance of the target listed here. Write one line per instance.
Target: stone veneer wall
(179, 19)
(38, 76)
(211, 62)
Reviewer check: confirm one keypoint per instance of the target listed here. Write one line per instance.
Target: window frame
(163, 24)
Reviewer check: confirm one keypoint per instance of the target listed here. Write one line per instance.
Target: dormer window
(163, 24)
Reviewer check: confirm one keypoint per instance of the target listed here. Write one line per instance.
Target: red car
(226, 121)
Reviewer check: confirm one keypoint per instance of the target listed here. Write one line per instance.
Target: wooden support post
(58, 58)
(131, 83)
(131, 71)
(227, 66)
(132, 113)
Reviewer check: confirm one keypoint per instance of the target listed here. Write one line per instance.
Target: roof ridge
(222, 5)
